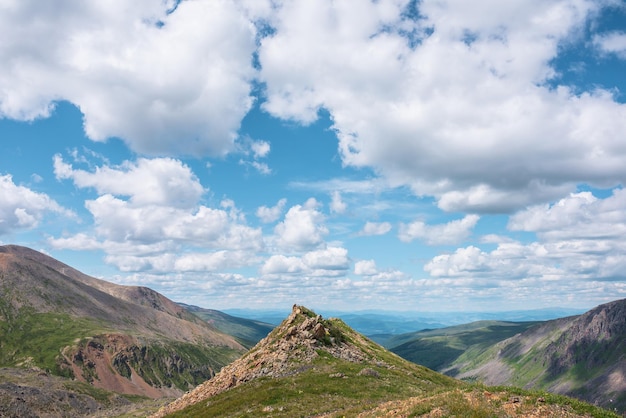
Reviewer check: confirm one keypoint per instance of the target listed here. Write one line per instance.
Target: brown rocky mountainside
(127, 339)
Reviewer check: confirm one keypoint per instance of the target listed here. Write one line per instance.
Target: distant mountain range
(385, 324)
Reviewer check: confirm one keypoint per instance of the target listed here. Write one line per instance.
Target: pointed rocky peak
(289, 349)
(304, 334)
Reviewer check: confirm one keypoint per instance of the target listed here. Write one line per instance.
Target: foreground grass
(477, 401)
(319, 396)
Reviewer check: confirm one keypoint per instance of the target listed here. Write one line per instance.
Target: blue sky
(345, 155)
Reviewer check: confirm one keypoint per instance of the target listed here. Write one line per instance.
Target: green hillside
(440, 348)
(28, 338)
(248, 332)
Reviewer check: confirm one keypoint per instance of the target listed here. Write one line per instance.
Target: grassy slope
(28, 338)
(556, 355)
(440, 348)
(247, 332)
(35, 339)
(46, 306)
(315, 392)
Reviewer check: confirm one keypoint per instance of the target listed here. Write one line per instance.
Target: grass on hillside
(31, 339)
(35, 339)
(246, 331)
(477, 401)
(438, 349)
(315, 393)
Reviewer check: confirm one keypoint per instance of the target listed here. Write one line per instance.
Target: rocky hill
(310, 366)
(127, 339)
(581, 356)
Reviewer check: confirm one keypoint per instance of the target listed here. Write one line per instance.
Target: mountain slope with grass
(127, 339)
(438, 349)
(247, 331)
(581, 356)
(310, 366)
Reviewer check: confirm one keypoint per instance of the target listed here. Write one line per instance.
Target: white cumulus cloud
(579, 252)
(452, 232)
(271, 214)
(337, 205)
(23, 208)
(147, 211)
(329, 262)
(302, 229)
(612, 43)
(365, 268)
(160, 181)
(375, 228)
(403, 96)
(168, 82)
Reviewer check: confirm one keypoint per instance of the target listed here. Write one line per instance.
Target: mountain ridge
(247, 331)
(54, 320)
(54, 282)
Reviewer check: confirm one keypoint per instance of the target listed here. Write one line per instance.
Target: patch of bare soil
(4, 260)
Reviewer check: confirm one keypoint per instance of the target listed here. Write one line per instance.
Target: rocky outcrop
(288, 350)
